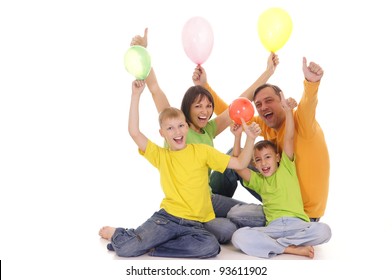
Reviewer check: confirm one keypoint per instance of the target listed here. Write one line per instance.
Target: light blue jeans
(164, 235)
(272, 240)
(232, 214)
(247, 215)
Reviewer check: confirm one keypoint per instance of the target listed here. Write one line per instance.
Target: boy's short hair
(265, 144)
(169, 113)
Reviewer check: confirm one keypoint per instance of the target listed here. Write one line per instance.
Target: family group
(287, 171)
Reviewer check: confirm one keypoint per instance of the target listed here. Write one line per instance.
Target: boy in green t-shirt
(288, 229)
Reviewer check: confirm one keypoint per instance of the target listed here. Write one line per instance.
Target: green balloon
(137, 62)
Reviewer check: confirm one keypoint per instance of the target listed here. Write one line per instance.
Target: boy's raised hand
(138, 86)
(285, 103)
(236, 129)
(253, 130)
(292, 102)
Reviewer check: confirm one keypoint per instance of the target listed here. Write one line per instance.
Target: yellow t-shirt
(184, 178)
(310, 148)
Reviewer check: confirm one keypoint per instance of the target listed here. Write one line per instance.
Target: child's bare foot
(106, 232)
(307, 251)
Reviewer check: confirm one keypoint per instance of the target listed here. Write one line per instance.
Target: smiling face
(269, 107)
(266, 157)
(198, 107)
(201, 111)
(174, 128)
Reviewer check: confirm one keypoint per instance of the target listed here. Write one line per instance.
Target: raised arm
(199, 77)
(312, 72)
(243, 159)
(288, 142)
(221, 108)
(159, 97)
(133, 121)
(306, 112)
(236, 129)
(220, 105)
(272, 63)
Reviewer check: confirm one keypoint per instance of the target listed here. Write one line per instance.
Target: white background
(68, 165)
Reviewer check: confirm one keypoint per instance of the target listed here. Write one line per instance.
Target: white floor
(355, 249)
(326, 251)
(343, 256)
(229, 252)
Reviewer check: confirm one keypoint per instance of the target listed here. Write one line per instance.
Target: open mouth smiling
(179, 139)
(268, 115)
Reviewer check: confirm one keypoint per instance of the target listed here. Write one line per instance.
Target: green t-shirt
(280, 192)
(207, 137)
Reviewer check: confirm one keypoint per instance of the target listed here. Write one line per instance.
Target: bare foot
(106, 232)
(307, 251)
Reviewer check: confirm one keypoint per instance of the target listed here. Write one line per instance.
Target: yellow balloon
(274, 27)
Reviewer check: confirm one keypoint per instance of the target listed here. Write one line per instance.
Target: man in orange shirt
(311, 150)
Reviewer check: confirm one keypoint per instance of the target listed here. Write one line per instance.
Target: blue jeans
(223, 204)
(232, 214)
(164, 235)
(222, 227)
(272, 240)
(247, 215)
(226, 183)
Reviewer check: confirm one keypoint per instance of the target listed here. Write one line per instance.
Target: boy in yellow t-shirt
(176, 230)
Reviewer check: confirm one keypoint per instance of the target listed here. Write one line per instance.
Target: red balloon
(241, 108)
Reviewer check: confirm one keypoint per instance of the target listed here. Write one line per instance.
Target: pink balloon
(197, 39)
